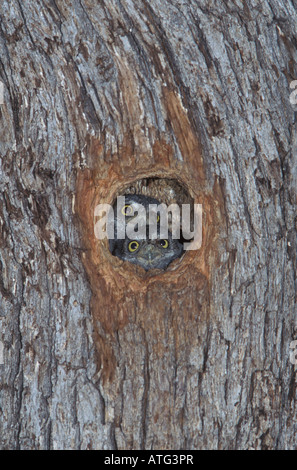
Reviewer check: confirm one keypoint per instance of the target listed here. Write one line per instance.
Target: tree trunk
(98, 354)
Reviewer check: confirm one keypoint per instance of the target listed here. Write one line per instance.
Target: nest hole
(151, 253)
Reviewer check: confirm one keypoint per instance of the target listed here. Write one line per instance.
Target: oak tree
(102, 96)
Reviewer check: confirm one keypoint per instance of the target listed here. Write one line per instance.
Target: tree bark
(98, 354)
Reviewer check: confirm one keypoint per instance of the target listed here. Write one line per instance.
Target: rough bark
(97, 95)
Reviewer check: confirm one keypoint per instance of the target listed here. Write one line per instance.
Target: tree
(98, 96)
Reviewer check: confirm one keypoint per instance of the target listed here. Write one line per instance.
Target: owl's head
(147, 253)
(131, 204)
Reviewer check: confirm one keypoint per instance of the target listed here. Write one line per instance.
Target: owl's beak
(149, 253)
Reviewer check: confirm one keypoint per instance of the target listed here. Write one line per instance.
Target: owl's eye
(127, 210)
(164, 243)
(133, 246)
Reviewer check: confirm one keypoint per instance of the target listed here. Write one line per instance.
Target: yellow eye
(127, 210)
(164, 243)
(133, 246)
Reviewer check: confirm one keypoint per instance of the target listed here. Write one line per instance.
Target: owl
(131, 205)
(149, 253)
